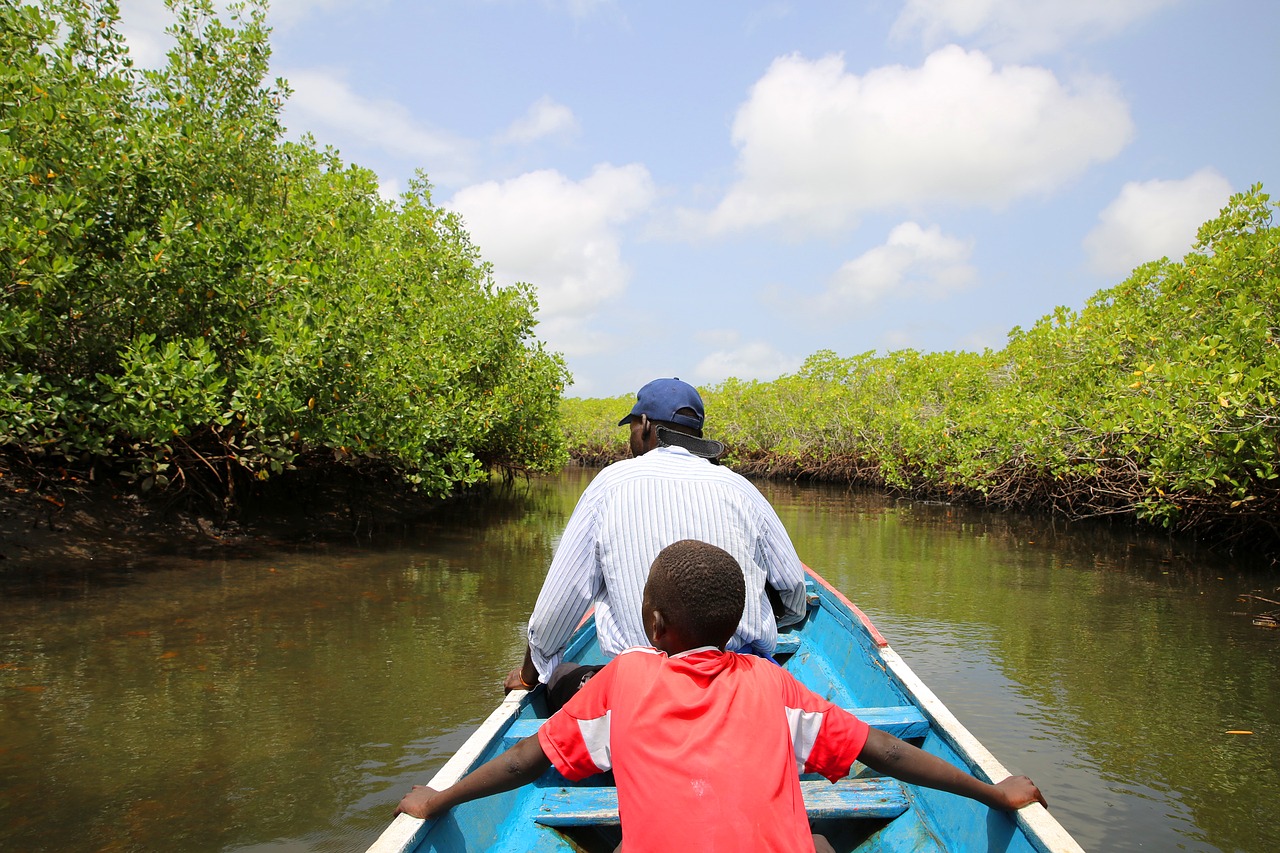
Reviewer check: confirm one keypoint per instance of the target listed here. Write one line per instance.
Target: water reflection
(283, 700)
(210, 705)
(1107, 665)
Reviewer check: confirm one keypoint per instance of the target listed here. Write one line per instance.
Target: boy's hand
(420, 802)
(1016, 792)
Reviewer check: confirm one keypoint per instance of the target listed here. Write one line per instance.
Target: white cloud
(1018, 29)
(544, 118)
(818, 145)
(767, 16)
(914, 261)
(1153, 220)
(581, 9)
(563, 237)
(977, 340)
(284, 13)
(323, 103)
(924, 336)
(390, 189)
(143, 23)
(718, 338)
(753, 360)
(894, 340)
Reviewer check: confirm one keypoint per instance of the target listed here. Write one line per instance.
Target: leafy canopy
(188, 296)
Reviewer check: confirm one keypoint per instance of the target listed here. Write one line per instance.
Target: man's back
(668, 495)
(630, 512)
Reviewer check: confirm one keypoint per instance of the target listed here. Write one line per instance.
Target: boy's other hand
(1018, 791)
(420, 802)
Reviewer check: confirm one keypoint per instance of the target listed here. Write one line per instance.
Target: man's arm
(776, 603)
(568, 591)
(784, 573)
(519, 765)
(894, 757)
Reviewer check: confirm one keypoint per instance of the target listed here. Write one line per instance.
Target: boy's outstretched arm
(519, 765)
(894, 757)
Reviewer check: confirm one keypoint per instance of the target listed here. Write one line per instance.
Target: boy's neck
(674, 644)
(672, 639)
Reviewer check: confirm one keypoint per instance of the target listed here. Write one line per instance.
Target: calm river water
(283, 701)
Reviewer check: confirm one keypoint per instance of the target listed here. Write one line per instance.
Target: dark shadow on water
(332, 523)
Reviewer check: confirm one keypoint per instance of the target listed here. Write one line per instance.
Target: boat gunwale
(406, 832)
(1040, 828)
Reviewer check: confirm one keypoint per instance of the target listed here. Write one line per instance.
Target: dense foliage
(1158, 400)
(591, 428)
(189, 298)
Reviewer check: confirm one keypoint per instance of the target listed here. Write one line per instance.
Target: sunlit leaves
(186, 293)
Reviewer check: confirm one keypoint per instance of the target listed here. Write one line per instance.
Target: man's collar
(701, 447)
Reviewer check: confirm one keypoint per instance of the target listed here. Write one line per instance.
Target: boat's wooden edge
(405, 832)
(1040, 827)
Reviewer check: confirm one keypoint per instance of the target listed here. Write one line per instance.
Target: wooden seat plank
(788, 644)
(877, 797)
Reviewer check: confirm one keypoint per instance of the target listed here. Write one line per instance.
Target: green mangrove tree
(190, 299)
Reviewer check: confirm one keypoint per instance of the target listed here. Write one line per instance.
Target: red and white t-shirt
(706, 748)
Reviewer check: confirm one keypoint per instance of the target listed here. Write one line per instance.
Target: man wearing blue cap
(670, 490)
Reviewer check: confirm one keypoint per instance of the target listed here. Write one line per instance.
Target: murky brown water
(284, 702)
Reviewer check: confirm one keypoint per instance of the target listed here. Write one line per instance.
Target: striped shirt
(631, 511)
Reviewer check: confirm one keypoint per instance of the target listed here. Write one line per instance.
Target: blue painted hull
(837, 653)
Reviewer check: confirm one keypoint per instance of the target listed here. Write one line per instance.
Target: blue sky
(715, 189)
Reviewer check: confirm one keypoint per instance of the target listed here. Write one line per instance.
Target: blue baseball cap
(662, 400)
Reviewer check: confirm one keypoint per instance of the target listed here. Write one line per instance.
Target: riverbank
(39, 527)
(50, 517)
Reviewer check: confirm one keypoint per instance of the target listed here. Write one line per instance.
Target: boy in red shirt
(715, 737)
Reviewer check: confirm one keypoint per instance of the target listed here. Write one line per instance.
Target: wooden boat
(836, 652)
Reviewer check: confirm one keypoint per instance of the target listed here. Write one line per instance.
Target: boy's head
(694, 596)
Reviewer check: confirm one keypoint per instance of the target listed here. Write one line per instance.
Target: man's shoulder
(664, 464)
(638, 467)
(613, 473)
(684, 463)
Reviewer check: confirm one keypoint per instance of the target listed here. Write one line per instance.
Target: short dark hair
(700, 589)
